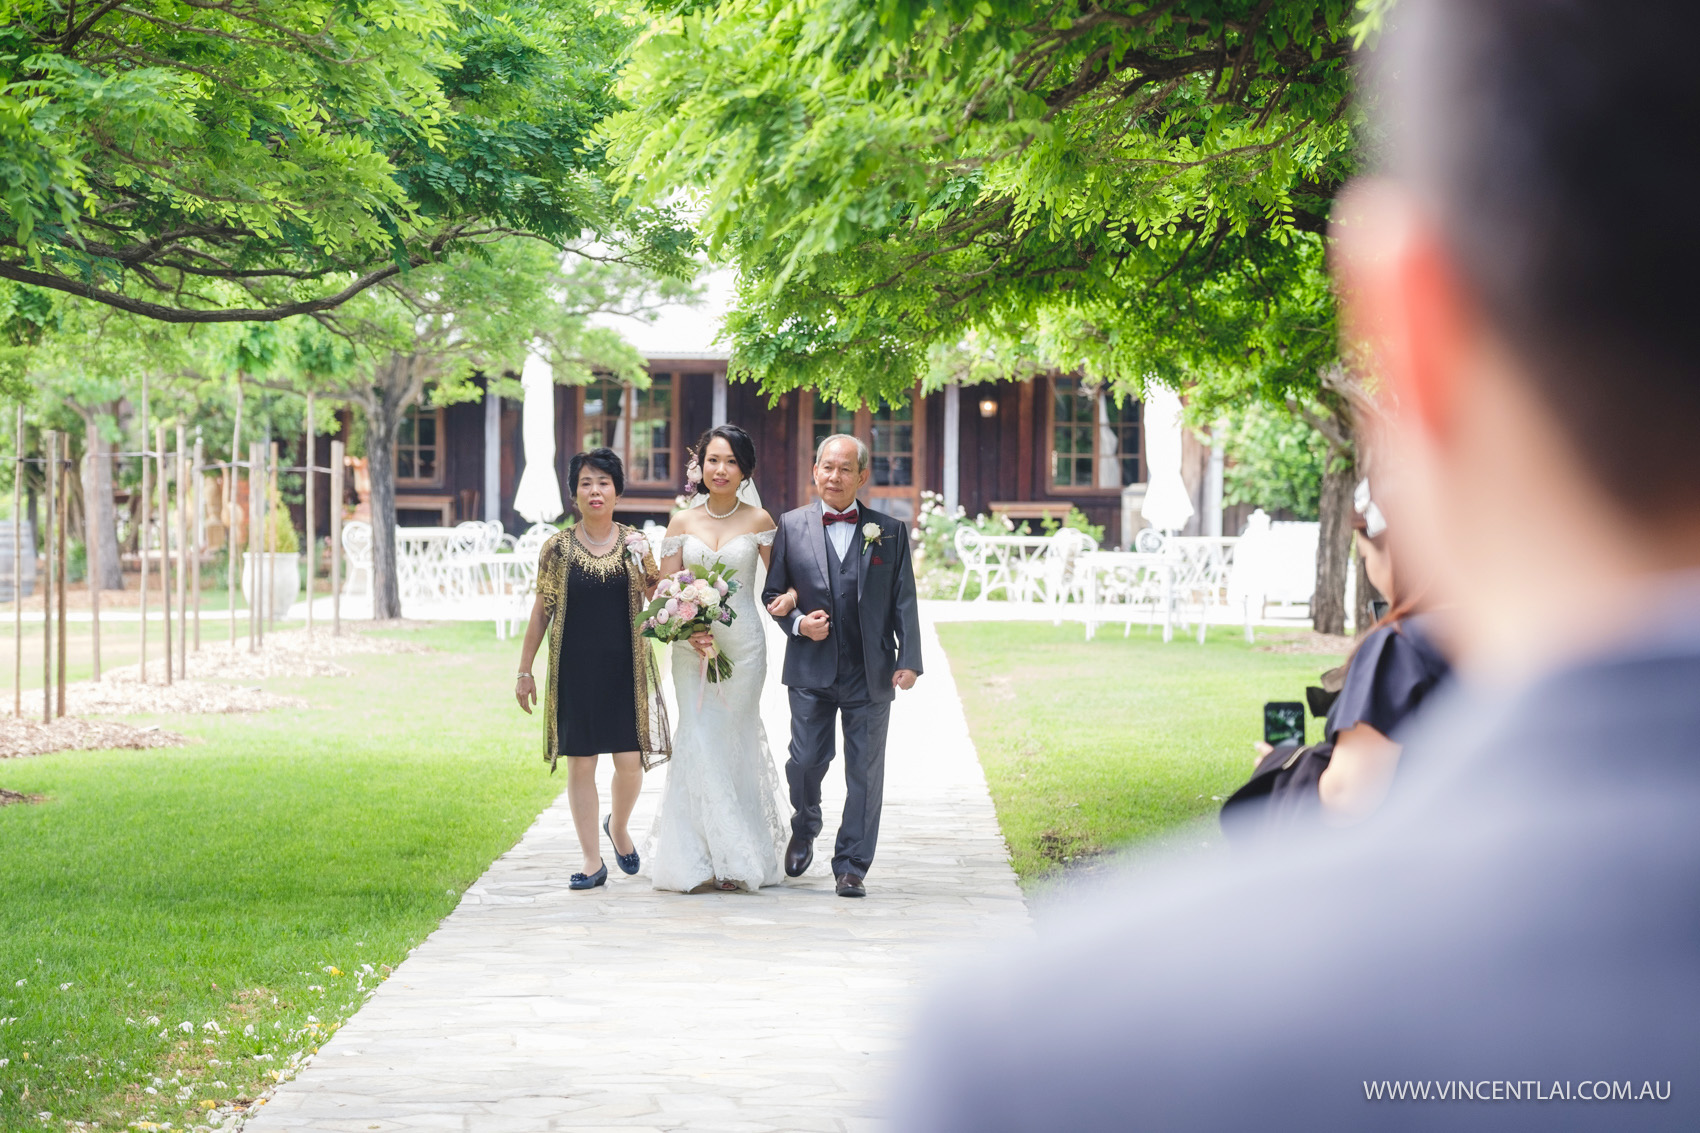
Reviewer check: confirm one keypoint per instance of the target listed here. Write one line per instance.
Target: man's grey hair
(861, 449)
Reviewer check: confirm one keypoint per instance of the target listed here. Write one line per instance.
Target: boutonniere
(870, 535)
(637, 546)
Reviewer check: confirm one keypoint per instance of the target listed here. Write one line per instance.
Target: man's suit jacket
(1523, 918)
(891, 624)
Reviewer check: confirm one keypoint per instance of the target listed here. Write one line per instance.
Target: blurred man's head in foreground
(1524, 270)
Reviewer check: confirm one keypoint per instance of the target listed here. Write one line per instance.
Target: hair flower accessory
(870, 535)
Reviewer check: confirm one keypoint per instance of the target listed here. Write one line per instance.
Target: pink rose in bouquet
(688, 602)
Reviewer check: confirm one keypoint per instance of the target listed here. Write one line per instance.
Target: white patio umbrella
(538, 497)
(1167, 505)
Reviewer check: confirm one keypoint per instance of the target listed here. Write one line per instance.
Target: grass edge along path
(1092, 746)
(180, 927)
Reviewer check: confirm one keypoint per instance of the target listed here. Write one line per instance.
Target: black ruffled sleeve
(1391, 673)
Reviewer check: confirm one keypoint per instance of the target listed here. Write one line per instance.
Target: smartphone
(1378, 608)
(1283, 722)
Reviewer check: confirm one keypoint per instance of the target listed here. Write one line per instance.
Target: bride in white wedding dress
(719, 825)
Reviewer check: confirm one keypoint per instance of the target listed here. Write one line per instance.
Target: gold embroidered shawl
(553, 571)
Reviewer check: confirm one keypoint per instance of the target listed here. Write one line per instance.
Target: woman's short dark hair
(743, 450)
(602, 459)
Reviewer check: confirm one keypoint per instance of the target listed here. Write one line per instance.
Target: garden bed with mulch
(285, 653)
(29, 737)
(1303, 641)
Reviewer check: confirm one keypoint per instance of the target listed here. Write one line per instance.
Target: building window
(651, 461)
(419, 447)
(830, 418)
(604, 420)
(892, 437)
(1094, 441)
(636, 423)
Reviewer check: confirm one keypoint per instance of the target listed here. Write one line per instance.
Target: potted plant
(282, 567)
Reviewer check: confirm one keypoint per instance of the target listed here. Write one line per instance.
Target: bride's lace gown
(720, 816)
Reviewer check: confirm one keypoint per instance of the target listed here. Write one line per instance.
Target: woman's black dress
(596, 699)
(1392, 672)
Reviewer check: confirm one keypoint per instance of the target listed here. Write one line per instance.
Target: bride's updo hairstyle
(743, 452)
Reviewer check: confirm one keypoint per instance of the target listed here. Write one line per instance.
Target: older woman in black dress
(604, 692)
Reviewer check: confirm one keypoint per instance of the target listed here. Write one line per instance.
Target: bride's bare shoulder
(762, 521)
(680, 522)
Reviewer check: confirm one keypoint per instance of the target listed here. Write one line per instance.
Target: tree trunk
(97, 497)
(1333, 544)
(1361, 616)
(383, 418)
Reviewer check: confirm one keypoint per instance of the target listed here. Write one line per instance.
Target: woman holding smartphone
(1390, 672)
(1388, 675)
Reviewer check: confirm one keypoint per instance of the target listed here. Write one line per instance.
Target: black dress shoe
(582, 881)
(849, 885)
(629, 863)
(798, 854)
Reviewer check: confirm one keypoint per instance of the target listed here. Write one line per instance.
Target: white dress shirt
(840, 536)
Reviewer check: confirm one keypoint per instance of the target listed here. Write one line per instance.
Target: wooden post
(18, 571)
(336, 531)
(252, 568)
(164, 543)
(182, 464)
(200, 527)
(274, 454)
(62, 470)
(142, 532)
(312, 558)
(91, 540)
(50, 449)
(230, 516)
(259, 577)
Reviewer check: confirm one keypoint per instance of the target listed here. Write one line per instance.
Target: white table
(1013, 561)
(422, 554)
(1133, 576)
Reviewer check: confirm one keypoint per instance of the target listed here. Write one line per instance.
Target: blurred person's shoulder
(1520, 912)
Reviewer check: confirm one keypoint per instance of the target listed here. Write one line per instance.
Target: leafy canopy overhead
(240, 160)
(889, 174)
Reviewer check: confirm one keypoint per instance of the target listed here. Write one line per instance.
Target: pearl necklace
(589, 542)
(736, 504)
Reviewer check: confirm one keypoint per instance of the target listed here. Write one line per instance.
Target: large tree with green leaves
(1135, 191)
(886, 174)
(423, 339)
(256, 159)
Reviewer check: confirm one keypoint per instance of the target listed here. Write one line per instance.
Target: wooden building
(1027, 449)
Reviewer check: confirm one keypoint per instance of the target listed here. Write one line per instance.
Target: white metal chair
(978, 561)
(1057, 580)
(531, 543)
(357, 545)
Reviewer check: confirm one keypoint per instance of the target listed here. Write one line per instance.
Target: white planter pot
(284, 571)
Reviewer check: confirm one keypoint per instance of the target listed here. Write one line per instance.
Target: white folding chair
(978, 561)
(357, 545)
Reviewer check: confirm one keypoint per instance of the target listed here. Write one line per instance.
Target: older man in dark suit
(1514, 942)
(857, 644)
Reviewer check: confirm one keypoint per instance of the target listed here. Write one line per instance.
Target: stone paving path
(536, 1008)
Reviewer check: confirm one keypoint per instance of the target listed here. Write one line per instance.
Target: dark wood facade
(1007, 448)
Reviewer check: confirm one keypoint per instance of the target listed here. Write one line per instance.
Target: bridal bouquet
(694, 599)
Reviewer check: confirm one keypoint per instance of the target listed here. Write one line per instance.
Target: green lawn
(1093, 745)
(189, 919)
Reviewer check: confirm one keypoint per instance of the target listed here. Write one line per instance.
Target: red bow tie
(828, 518)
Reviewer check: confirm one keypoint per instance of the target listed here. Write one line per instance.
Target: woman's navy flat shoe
(581, 881)
(628, 862)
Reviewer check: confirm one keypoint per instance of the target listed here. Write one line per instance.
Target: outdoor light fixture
(988, 407)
